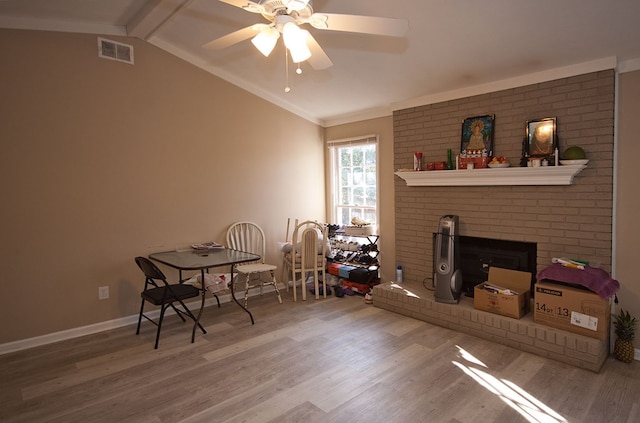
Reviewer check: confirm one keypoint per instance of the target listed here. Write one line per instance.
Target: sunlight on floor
(514, 396)
(406, 291)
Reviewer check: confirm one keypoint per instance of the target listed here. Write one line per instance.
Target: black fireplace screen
(478, 254)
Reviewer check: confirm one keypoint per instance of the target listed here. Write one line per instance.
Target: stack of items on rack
(359, 227)
(353, 260)
(358, 279)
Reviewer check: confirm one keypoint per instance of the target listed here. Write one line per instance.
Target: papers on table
(207, 246)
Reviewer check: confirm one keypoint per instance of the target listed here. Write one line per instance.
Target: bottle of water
(399, 274)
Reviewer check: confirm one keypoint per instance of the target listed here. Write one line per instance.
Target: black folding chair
(165, 295)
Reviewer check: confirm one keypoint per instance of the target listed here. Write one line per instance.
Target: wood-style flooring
(334, 360)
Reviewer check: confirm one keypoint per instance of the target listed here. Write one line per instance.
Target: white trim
(629, 65)
(353, 140)
(378, 188)
(333, 145)
(60, 26)
(373, 113)
(64, 335)
(614, 208)
(543, 175)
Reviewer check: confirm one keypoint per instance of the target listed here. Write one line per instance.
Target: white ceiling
(453, 46)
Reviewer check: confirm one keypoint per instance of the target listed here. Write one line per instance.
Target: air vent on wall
(114, 50)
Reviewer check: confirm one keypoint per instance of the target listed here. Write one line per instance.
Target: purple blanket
(595, 279)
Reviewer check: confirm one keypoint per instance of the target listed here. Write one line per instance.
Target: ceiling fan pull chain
(286, 70)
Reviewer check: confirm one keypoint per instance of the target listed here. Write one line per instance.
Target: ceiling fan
(286, 16)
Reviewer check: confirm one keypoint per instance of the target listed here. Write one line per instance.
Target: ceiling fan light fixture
(295, 4)
(295, 39)
(300, 53)
(266, 40)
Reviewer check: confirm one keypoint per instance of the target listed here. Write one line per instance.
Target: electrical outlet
(103, 292)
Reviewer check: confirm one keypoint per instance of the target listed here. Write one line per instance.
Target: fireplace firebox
(478, 254)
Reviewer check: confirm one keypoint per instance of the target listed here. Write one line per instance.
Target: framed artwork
(540, 138)
(477, 136)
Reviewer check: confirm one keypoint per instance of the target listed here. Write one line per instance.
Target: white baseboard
(49, 338)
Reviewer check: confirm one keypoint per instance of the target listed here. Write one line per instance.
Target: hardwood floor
(333, 360)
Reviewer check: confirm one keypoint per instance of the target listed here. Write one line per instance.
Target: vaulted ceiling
(452, 46)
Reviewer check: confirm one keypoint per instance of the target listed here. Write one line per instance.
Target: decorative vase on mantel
(449, 159)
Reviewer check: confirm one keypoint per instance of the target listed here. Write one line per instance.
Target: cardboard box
(573, 309)
(511, 305)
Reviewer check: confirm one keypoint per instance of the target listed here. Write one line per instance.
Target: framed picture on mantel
(477, 136)
(540, 138)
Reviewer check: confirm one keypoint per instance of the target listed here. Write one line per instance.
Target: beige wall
(82, 137)
(628, 193)
(383, 127)
(103, 161)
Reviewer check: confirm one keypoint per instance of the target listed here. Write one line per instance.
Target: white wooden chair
(249, 237)
(307, 256)
(285, 270)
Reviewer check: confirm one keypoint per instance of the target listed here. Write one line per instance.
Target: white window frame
(333, 145)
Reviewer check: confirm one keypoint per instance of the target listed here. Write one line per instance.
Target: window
(354, 179)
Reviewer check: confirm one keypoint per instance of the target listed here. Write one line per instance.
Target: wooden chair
(249, 237)
(291, 224)
(307, 256)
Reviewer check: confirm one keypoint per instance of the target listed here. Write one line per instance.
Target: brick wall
(571, 221)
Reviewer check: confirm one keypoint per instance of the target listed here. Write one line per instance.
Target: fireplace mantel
(543, 175)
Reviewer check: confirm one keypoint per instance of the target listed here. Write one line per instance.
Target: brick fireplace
(568, 220)
(562, 220)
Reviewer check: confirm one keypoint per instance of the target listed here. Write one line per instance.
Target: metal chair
(249, 237)
(159, 292)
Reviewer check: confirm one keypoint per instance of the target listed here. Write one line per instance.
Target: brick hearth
(414, 300)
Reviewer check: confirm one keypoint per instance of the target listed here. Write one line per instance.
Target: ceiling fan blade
(247, 5)
(319, 59)
(234, 37)
(363, 24)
